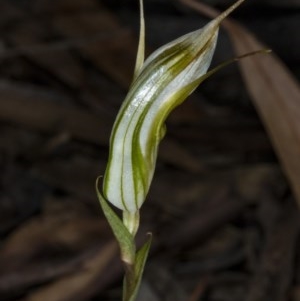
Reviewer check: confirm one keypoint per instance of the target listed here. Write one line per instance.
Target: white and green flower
(160, 84)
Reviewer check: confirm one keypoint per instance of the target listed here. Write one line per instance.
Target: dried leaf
(83, 283)
(50, 245)
(274, 91)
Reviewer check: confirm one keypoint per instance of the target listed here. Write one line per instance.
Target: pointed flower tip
(228, 11)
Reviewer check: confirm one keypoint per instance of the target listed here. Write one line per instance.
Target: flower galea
(160, 84)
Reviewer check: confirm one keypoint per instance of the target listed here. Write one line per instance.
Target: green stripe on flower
(164, 81)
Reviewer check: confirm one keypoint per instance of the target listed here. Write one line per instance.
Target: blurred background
(223, 205)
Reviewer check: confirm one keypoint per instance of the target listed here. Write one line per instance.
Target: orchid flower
(160, 84)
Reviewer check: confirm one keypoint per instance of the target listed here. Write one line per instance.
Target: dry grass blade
(275, 94)
(82, 284)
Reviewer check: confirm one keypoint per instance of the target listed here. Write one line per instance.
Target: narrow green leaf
(232, 60)
(139, 265)
(124, 238)
(141, 258)
(141, 47)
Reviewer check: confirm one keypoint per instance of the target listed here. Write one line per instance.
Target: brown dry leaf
(114, 53)
(275, 94)
(50, 245)
(39, 109)
(108, 46)
(56, 59)
(83, 283)
(43, 232)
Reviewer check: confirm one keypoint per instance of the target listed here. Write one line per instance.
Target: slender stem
(129, 281)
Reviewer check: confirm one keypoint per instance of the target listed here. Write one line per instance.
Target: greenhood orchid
(160, 84)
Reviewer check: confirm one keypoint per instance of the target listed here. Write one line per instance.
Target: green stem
(129, 281)
(134, 273)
